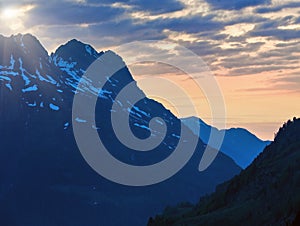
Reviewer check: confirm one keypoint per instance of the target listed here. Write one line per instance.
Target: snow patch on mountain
(66, 125)
(12, 62)
(49, 79)
(25, 78)
(30, 89)
(32, 104)
(4, 78)
(54, 107)
(9, 86)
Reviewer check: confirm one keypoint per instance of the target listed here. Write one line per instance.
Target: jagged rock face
(40, 161)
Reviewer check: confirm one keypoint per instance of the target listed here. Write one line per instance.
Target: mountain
(239, 144)
(45, 179)
(265, 193)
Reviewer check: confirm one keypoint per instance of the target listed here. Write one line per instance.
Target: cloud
(125, 31)
(281, 34)
(277, 8)
(290, 82)
(277, 29)
(218, 36)
(190, 24)
(248, 61)
(158, 6)
(259, 69)
(128, 29)
(236, 4)
(154, 69)
(67, 13)
(153, 6)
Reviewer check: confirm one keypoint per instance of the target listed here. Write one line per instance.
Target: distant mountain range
(44, 180)
(265, 193)
(239, 144)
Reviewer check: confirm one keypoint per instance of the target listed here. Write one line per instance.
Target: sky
(251, 47)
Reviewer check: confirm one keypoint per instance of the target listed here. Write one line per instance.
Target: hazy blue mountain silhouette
(265, 193)
(44, 178)
(239, 144)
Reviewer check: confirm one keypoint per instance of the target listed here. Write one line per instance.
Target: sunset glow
(251, 48)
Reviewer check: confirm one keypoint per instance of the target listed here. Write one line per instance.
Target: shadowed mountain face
(239, 144)
(265, 193)
(44, 178)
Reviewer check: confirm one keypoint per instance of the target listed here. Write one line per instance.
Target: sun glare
(13, 17)
(10, 13)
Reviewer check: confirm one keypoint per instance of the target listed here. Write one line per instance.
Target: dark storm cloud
(236, 4)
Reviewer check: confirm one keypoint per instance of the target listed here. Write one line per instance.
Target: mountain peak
(75, 48)
(22, 51)
(26, 35)
(23, 44)
(74, 43)
(74, 40)
(29, 42)
(75, 55)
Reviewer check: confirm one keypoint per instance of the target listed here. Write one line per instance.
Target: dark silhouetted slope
(265, 193)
